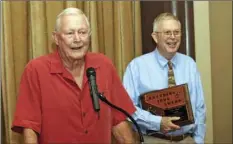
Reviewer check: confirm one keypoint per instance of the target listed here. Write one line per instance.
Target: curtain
(26, 33)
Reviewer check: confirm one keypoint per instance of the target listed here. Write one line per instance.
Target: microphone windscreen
(90, 71)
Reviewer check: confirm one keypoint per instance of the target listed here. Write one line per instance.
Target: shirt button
(84, 114)
(86, 131)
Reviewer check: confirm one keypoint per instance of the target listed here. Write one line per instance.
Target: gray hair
(161, 17)
(69, 11)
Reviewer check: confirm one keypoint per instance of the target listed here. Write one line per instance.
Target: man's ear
(154, 36)
(55, 37)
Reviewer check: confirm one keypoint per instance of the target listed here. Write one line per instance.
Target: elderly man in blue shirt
(150, 72)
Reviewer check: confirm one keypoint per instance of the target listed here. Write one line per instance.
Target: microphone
(91, 75)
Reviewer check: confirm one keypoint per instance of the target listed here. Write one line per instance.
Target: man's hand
(123, 133)
(167, 125)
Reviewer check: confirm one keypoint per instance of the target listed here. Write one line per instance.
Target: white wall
(213, 45)
(203, 57)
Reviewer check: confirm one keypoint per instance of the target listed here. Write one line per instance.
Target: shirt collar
(90, 61)
(58, 67)
(163, 61)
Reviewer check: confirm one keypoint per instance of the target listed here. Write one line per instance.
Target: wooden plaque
(173, 101)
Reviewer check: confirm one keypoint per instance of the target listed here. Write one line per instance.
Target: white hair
(69, 11)
(161, 17)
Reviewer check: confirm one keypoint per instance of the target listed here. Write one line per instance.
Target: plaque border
(187, 104)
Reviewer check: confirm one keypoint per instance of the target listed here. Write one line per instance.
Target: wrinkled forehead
(73, 21)
(169, 24)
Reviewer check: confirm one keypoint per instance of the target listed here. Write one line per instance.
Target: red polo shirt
(53, 105)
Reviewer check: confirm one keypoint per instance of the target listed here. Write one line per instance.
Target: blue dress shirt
(150, 72)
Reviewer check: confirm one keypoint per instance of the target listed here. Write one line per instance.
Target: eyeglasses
(176, 33)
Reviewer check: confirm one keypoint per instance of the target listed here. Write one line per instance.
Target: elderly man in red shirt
(54, 103)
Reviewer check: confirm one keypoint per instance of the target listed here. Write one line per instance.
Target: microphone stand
(103, 98)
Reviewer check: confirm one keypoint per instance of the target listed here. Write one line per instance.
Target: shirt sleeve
(145, 119)
(120, 98)
(28, 110)
(200, 112)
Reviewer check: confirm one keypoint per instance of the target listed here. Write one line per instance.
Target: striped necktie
(171, 78)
